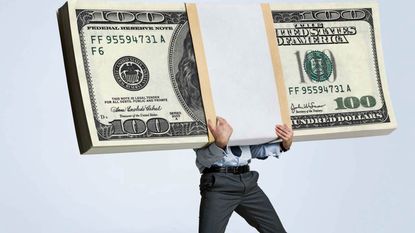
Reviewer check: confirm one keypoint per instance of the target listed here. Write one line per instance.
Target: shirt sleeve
(209, 155)
(263, 151)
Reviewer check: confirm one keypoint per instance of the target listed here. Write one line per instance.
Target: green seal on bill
(318, 66)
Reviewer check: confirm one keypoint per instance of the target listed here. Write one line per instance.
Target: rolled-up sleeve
(207, 156)
(263, 151)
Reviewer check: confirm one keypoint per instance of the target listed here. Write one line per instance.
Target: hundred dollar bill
(330, 58)
(132, 76)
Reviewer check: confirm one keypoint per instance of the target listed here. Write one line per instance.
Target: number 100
(352, 102)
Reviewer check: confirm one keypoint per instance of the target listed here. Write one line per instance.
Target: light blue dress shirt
(234, 156)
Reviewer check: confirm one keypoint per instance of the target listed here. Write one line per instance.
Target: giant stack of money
(331, 59)
(138, 75)
(133, 76)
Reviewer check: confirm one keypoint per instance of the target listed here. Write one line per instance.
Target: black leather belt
(234, 170)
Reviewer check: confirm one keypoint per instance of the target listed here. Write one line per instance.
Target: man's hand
(286, 134)
(222, 131)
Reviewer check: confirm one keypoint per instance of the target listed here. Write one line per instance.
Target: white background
(337, 186)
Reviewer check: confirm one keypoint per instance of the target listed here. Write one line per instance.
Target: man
(228, 185)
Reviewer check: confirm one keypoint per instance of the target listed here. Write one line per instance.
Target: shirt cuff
(216, 150)
(274, 150)
(209, 155)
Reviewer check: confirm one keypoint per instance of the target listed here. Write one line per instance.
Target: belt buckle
(235, 170)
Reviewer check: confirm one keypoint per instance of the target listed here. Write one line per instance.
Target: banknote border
(382, 110)
(180, 129)
(172, 76)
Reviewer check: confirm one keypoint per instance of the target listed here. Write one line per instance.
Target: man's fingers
(221, 119)
(280, 126)
(282, 129)
(285, 138)
(282, 135)
(221, 122)
(211, 126)
(279, 132)
(285, 129)
(288, 129)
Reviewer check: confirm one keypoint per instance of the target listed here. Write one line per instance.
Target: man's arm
(213, 153)
(221, 131)
(263, 151)
(207, 156)
(285, 132)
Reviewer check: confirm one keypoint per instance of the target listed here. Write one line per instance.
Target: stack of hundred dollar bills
(138, 75)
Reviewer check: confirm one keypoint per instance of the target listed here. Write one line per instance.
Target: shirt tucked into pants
(223, 193)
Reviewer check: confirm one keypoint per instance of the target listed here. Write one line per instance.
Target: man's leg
(257, 210)
(220, 195)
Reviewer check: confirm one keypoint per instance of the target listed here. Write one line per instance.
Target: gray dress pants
(223, 193)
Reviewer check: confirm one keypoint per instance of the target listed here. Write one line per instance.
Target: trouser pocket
(206, 182)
